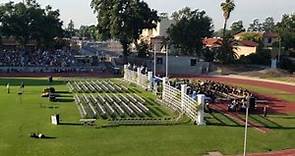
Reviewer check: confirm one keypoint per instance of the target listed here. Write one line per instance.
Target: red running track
(289, 152)
(276, 105)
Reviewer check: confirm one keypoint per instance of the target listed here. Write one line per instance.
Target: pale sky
(247, 10)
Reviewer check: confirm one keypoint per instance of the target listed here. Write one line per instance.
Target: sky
(246, 10)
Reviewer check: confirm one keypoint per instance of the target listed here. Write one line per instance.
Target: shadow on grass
(63, 92)
(29, 82)
(220, 122)
(161, 111)
(65, 100)
(153, 111)
(274, 124)
(64, 95)
(70, 124)
(48, 137)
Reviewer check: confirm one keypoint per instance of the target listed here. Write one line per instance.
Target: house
(267, 38)
(244, 47)
(212, 42)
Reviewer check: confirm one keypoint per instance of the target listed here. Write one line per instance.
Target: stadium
(70, 92)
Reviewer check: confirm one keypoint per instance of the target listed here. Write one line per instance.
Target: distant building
(268, 38)
(155, 37)
(244, 47)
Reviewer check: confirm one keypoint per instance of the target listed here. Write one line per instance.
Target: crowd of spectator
(238, 97)
(37, 58)
(11, 58)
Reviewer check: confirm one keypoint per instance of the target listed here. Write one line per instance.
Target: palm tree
(227, 7)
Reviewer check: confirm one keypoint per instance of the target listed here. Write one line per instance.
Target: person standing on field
(8, 88)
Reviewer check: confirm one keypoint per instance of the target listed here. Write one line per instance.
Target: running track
(276, 105)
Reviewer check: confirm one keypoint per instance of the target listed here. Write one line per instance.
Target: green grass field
(19, 116)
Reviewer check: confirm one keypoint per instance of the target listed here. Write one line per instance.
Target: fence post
(165, 81)
(150, 81)
(201, 101)
(183, 93)
(138, 76)
(125, 72)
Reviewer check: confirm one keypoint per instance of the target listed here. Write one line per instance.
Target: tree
(252, 36)
(219, 33)
(208, 54)
(268, 25)
(89, 32)
(181, 14)
(286, 30)
(256, 26)
(123, 20)
(227, 7)
(142, 49)
(190, 29)
(226, 52)
(237, 27)
(70, 30)
(29, 22)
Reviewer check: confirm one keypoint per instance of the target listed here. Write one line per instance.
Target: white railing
(172, 97)
(179, 101)
(143, 80)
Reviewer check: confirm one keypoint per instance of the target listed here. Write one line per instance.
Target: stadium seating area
(38, 58)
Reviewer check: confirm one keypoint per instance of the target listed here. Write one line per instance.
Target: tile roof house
(268, 38)
(245, 47)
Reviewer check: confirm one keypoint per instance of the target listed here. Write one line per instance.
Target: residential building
(268, 38)
(155, 37)
(244, 47)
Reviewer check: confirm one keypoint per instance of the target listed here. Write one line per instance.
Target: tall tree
(70, 30)
(227, 7)
(256, 26)
(190, 29)
(286, 29)
(268, 24)
(28, 21)
(237, 27)
(123, 20)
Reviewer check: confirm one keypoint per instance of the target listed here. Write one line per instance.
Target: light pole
(167, 56)
(155, 62)
(246, 128)
(280, 45)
